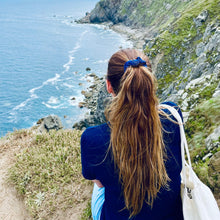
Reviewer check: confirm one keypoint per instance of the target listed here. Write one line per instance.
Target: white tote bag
(197, 199)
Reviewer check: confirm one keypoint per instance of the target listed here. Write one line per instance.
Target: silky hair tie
(135, 63)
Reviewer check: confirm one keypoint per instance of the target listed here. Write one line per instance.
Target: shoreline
(136, 35)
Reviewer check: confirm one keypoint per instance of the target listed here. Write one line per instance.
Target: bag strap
(184, 145)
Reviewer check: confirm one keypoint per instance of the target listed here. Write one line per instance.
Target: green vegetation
(182, 35)
(202, 121)
(183, 30)
(150, 13)
(87, 213)
(208, 91)
(47, 172)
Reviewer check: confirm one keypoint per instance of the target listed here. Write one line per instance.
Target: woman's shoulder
(94, 130)
(95, 133)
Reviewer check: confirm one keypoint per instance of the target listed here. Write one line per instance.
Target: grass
(202, 121)
(47, 172)
(87, 213)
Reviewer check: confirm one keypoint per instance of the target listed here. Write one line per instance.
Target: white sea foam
(68, 85)
(52, 80)
(69, 22)
(21, 105)
(53, 100)
(101, 61)
(32, 92)
(99, 26)
(70, 62)
(52, 106)
(33, 96)
(34, 89)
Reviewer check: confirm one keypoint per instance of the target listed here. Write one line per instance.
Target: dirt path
(11, 207)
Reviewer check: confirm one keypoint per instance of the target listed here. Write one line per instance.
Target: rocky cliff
(138, 13)
(182, 39)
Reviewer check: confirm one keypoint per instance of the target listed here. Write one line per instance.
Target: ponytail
(136, 134)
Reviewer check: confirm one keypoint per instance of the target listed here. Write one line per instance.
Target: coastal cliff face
(137, 13)
(182, 39)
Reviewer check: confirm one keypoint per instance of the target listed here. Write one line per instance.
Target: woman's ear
(109, 87)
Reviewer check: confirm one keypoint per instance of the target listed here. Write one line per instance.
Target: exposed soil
(11, 206)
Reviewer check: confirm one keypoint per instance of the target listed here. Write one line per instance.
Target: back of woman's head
(136, 136)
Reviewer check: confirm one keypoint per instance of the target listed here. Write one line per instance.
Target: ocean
(44, 54)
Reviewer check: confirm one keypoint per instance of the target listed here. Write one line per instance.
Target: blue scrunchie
(135, 63)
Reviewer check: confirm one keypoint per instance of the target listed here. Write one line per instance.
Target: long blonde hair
(136, 131)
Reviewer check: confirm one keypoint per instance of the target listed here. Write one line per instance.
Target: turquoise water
(43, 59)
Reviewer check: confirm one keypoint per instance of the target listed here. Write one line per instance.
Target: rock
(216, 93)
(214, 42)
(207, 156)
(97, 104)
(202, 58)
(216, 72)
(213, 137)
(51, 122)
(92, 86)
(92, 75)
(83, 92)
(184, 95)
(73, 98)
(200, 48)
(85, 19)
(201, 18)
(168, 6)
(214, 171)
(103, 100)
(98, 14)
(81, 125)
(87, 94)
(88, 69)
(214, 163)
(184, 105)
(81, 104)
(40, 121)
(217, 90)
(209, 29)
(198, 70)
(177, 14)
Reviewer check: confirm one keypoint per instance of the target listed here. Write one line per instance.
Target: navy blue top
(97, 163)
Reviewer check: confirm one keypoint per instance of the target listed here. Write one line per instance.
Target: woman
(135, 158)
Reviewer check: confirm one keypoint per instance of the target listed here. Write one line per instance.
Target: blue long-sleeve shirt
(98, 163)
